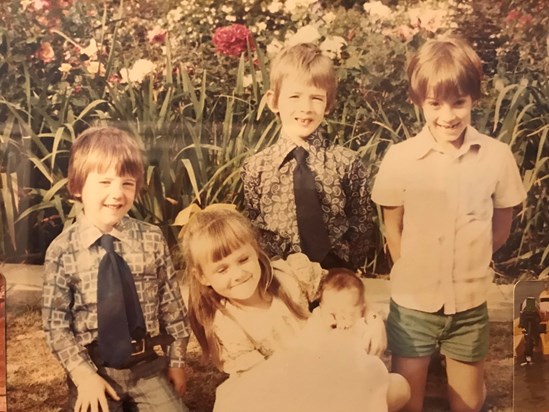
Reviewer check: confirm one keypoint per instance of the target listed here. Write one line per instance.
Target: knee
(399, 392)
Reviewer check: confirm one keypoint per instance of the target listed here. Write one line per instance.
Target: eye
(129, 184)
(319, 98)
(104, 182)
(433, 103)
(459, 102)
(244, 259)
(221, 269)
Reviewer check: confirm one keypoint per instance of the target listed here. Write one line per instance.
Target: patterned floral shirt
(342, 182)
(69, 309)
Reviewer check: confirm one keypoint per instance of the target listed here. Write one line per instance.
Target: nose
(237, 275)
(305, 104)
(447, 113)
(116, 190)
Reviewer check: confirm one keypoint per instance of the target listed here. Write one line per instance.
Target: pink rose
(157, 35)
(45, 52)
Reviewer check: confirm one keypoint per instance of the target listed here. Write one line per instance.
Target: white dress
(283, 370)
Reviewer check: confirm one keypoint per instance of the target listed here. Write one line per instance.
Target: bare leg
(414, 370)
(466, 389)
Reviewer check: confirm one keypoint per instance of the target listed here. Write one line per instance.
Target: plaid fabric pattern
(342, 181)
(69, 309)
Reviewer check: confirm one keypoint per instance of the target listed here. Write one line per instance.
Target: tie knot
(300, 154)
(107, 243)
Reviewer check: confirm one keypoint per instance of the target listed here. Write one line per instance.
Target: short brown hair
(446, 67)
(99, 148)
(339, 279)
(305, 59)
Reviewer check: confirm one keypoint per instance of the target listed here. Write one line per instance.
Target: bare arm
(501, 226)
(392, 217)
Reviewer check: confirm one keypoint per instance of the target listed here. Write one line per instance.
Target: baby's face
(341, 309)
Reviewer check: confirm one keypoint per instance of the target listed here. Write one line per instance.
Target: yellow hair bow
(184, 216)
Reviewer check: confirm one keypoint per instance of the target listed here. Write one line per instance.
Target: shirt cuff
(82, 372)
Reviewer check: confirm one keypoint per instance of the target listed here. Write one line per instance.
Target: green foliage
(150, 67)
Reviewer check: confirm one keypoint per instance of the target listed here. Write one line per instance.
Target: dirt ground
(36, 382)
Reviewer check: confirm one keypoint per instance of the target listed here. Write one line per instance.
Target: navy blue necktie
(313, 234)
(119, 314)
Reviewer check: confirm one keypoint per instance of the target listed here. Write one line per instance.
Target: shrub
(188, 77)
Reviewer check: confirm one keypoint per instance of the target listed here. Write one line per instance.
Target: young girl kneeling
(248, 313)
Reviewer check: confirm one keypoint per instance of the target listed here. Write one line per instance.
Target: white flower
(26, 3)
(175, 15)
(226, 9)
(329, 17)
(306, 34)
(273, 48)
(428, 19)
(247, 80)
(275, 7)
(293, 5)
(230, 18)
(140, 69)
(261, 26)
(378, 9)
(332, 46)
(94, 68)
(65, 67)
(91, 50)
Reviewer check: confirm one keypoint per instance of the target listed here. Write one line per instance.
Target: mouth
(304, 122)
(241, 282)
(449, 127)
(113, 207)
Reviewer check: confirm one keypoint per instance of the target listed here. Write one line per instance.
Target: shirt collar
(316, 141)
(426, 142)
(89, 233)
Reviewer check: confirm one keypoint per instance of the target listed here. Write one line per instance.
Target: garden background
(187, 77)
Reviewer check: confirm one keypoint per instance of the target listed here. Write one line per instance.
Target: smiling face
(300, 105)
(448, 118)
(235, 277)
(107, 198)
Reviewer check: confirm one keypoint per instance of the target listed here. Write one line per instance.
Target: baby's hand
(91, 394)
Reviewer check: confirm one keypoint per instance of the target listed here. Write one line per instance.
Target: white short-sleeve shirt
(448, 201)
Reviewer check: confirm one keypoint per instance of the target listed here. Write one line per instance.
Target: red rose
(233, 40)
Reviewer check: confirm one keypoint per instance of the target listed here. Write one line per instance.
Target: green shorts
(462, 336)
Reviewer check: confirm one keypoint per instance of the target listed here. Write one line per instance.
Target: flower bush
(188, 77)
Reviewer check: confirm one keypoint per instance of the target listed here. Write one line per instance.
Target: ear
(270, 96)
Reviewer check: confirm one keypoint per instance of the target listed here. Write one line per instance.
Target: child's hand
(377, 336)
(91, 394)
(178, 378)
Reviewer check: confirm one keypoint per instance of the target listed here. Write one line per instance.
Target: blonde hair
(307, 60)
(339, 279)
(447, 67)
(223, 231)
(99, 148)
